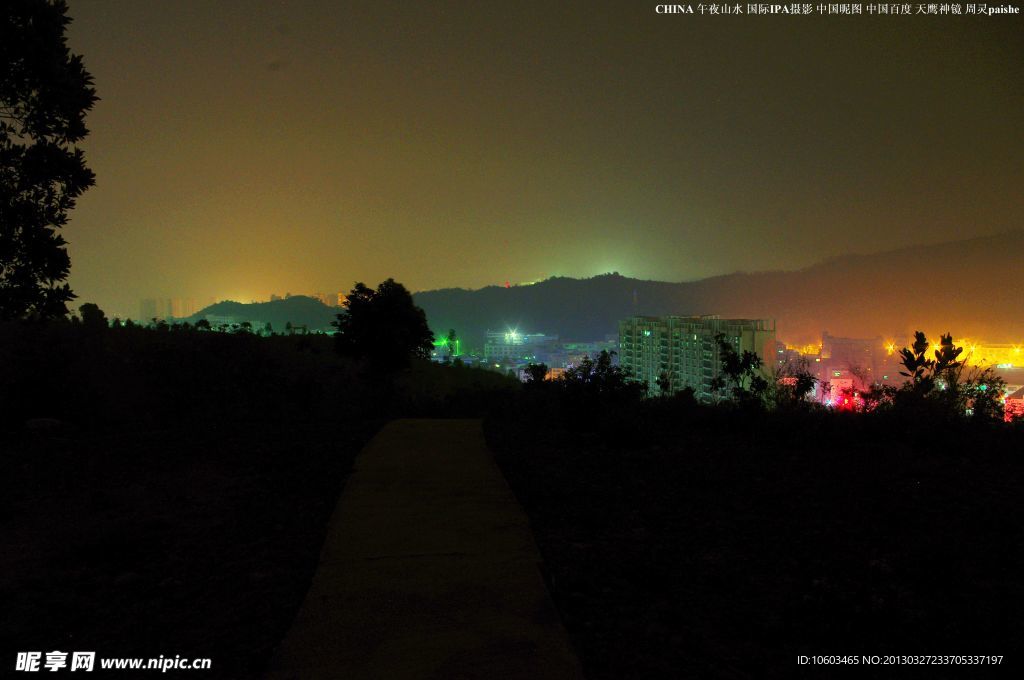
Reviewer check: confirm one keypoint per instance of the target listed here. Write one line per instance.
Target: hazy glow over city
(249, 148)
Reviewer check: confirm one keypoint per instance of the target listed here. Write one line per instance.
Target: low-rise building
(511, 346)
(1013, 408)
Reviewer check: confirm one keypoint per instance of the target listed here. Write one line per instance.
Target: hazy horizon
(202, 301)
(245, 148)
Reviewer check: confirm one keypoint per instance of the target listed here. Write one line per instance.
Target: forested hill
(972, 288)
(298, 310)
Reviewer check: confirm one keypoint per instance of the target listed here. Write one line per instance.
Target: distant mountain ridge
(974, 287)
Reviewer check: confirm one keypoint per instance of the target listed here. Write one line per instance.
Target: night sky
(248, 148)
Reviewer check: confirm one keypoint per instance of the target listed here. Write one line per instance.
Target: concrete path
(429, 570)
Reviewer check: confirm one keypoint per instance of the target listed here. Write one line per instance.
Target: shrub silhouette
(92, 316)
(943, 386)
(535, 374)
(740, 373)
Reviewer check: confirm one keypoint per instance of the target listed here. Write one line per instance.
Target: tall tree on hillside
(45, 93)
(383, 325)
(451, 344)
(92, 315)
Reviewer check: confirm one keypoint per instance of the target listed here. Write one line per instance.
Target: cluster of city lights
(443, 344)
(975, 352)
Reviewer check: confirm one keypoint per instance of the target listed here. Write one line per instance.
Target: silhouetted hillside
(298, 310)
(973, 288)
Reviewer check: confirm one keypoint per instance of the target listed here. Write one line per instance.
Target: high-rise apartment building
(149, 309)
(683, 348)
(166, 308)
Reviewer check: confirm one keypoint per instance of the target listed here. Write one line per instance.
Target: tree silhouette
(983, 394)
(383, 326)
(925, 373)
(793, 382)
(664, 383)
(947, 366)
(597, 394)
(535, 374)
(92, 316)
(601, 377)
(451, 343)
(740, 372)
(917, 366)
(942, 383)
(45, 93)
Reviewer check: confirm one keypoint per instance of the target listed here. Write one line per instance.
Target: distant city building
(162, 309)
(852, 354)
(843, 367)
(683, 348)
(846, 367)
(841, 388)
(1000, 356)
(183, 307)
(552, 374)
(571, 354)
(230, 322)
(511, 346)
(1013, 408)
(790, 359)
(1014, 377)
(148, 310)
